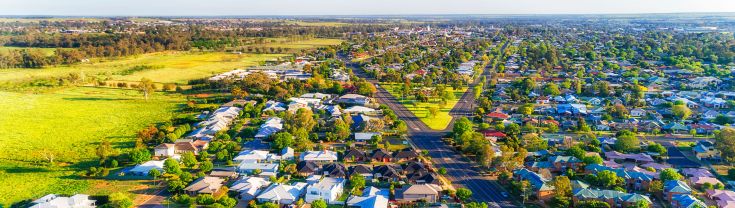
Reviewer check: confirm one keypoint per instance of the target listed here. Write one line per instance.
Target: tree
(476, 205)
(562, 186)
(551, 89)
(655, 187)
(532, 142)
(526, 109)
(681, 111)
(357, 181)
(154, 173)
(592, 204)
(627, 142)
(146, 86)
(189, 159)
(119, 200)
(463, 194)
(460, 127)
(138, 156)
(608, 179)
(595, 159)
(206, 166)
(442, 171)
(171, 166)
(319, 203)
(272, 205)
(722, 119)
(433, 111)
(341, 129)
(104, 150)
(282, 140)
(670, 174)
(657, 148)
(725, 143)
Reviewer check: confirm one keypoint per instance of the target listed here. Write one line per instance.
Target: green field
(421, 109)
(67, 124)
(168, 67)
(48, 51)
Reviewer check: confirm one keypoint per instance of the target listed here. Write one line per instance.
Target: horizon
(167, 8)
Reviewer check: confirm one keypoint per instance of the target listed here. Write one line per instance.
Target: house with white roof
(205, 185)
(271, 126)
(274, 106)
(328, 189)
(252, 156)
(371, 197)
(56, 201)
(358, 110)
(282, 194)
(143, 169)
(365, 136)
(247, 167)
(218, 121)
(319, 156)
(249, 187)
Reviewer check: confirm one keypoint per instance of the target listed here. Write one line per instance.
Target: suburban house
(675, 187)
(53, 201)
(363, 170)
(249, 187)
(541, 186)
(705, 150)
(247, 167)
(611, 197)
(686, 201)
(698, 182)
(145, 168)
(271, 126)
(319, 156)
(371, 198)
(353, 99)
(282, 194)
(427, 192)
(219, 120)
(381, 155)
(328, 189)
(205, 185)
(724, 198)
(365, 136)
(164, 150)
(405, 155)
(354, 155)
(306, 168)
(562, 163)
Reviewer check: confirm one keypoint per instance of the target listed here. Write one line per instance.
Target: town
(447, 112)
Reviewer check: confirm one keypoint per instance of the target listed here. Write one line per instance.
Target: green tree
(171, 166)
(725, 143)
(357, 181)
(608, 179)
(341, 129)
(119, 200)
(463, 194)
(282, 140)
(551, 89)
(442, 171)
(670, 174)
(476, 205)
(681, 111)
(655, 187)
(154, 173)
(146, 86)
(206, 166)
(189, 159)
(433, 111)
(562, 186)
(138, 156)
(526, 109)
(627, 142)
(319, 203)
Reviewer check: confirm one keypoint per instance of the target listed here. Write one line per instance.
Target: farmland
(67, 124)
(421, 109)
(167, 67)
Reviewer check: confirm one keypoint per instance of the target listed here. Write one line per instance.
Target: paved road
(459, 171)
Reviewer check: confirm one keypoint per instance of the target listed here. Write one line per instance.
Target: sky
(353, 7)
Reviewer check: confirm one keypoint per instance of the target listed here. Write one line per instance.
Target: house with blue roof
(544, 190)
(611, 197)
(675, 187)
(686, 201)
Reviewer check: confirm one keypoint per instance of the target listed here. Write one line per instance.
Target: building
(371, 198)
(205, 185)
(353, 99)
(319, 156)
(164, 150)
(248, 167)
(611, 197)
(271, 126)
(328, 189)
(541, 186)
(56, 201)
(249, 187)
(145, 168)
(426, 192)
(282, 194)
(675, 187)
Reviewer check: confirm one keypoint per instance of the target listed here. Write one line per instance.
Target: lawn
(48, 51)
(68, 123)
(421, 109)
(166, 67)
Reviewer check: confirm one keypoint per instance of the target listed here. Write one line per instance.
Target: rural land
(586, 111)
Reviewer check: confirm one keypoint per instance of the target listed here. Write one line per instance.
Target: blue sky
(354, 7)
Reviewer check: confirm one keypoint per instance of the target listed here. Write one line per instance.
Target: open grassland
(48, 51)
(166, 67)
(68, 124)
(421, 109)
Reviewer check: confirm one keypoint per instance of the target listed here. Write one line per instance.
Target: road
(459, 171)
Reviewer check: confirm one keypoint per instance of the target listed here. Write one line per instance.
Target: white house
(144, 168)
(249, 187)
(638, 112)
(365, 136)
(371, 198)
(358, 109)
(282, 194)
(251, 155)
(247, 167)
(271, 126)
(274, 106)
(219, 120)
(328, 189)
(319, 156)
(164, 150)
(56, 201)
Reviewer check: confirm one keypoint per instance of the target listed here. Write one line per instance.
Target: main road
(460, 171)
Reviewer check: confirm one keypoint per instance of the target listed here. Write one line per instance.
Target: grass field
(48, 51)
(421, 109)
(169, 67)
(311, 43)
(67, 123)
